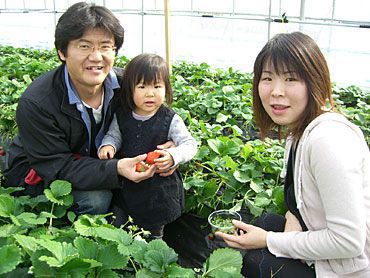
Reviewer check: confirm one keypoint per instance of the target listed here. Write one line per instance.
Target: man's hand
(126, 167)
(249, 236)
(167, 145)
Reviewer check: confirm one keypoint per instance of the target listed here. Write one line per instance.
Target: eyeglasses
(87, 49)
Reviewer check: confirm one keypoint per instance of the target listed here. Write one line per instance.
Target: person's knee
(92, 202)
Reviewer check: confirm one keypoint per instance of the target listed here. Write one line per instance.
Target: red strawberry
(151, 156)
(211, 236)
(140, 167)
(2, 152)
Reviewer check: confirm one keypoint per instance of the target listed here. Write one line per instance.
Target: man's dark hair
(82, 16)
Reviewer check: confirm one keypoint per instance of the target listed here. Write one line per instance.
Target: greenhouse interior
(254, 170)
(221, 33)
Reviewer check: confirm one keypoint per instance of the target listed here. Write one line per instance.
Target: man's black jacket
(51, 136)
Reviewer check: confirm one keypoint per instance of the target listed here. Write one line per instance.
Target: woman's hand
(292, 223)
(126, 167)
(249, 237)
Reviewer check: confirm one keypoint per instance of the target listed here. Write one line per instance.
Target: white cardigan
(332, 189)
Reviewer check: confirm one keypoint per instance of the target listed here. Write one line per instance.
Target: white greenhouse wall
(222, 33)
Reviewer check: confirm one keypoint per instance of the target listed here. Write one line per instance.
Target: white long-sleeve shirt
(332, 189)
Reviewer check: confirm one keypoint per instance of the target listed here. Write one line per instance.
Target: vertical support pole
(269, 22)
(167, 33)
(55, 14)
(301, 13)
(142, 26)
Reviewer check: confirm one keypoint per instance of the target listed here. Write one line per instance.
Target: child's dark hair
(146, 68)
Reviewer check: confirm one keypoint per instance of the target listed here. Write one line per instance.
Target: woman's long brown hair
(299, 53)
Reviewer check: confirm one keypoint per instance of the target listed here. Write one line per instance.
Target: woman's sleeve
(335, 156)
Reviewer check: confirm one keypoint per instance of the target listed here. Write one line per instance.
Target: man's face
(89, 60)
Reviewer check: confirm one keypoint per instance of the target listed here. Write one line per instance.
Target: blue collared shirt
(110, 83)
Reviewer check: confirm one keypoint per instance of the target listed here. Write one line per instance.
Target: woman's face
(284, 96)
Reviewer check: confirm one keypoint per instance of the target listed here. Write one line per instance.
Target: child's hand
(164, 162)
(106, 152)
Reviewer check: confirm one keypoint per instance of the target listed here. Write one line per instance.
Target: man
(63, 115)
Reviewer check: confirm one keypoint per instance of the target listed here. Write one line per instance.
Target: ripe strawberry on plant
(151, 156)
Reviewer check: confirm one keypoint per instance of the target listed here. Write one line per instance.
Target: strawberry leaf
(10, 257)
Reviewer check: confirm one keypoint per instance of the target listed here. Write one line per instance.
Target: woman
(326, 231)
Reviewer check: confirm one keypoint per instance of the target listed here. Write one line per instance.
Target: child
(140, 125)
(327, 176)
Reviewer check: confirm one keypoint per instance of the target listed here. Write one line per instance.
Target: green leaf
(107, 273)
(226, 273)
(71, 216)
(76, 268)
(114, 234)
(210, 189)
(7, 205)
(256, 187)
(31, 218)
(137, 250)
(158, 256)
(61, 188)
(174, 271)
(224, 259)
(261, 201)
(215, 144)
(87, 248)
(27, 242)
(229, 162)
(58, 192)
(84, 226)
(9, 190)
(62, 252)
(9, 230)
(146, 273)
(242, 176)
(222, 118)
(110, 257)
(49, 194)
(41, 268)
(254, 210)
(247, 150)
(10, 257)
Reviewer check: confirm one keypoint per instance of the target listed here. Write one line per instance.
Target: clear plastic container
(221, 220)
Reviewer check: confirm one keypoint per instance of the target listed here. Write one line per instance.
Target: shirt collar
(110, 83)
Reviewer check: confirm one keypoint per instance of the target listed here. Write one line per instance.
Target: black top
(158, 200)
(289, 195)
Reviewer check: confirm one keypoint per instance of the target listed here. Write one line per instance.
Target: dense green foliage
(232, 169)
(38, 238)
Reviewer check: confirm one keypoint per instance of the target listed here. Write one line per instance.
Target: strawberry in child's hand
(151, 156)
(140, 167)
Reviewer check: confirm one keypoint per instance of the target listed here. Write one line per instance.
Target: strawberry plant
(233, 169)
(86, 247)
